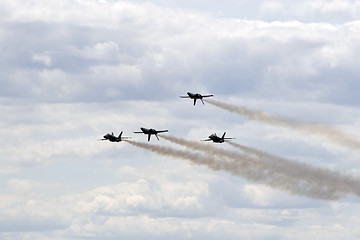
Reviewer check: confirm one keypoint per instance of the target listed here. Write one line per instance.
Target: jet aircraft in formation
(112, 138)
(196, 96)
(150, 132)
(216, 139)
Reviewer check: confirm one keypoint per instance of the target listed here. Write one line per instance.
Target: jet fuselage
(150, 132)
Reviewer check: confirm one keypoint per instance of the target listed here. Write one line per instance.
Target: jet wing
(160, 131)
(138, 132)
(184, 96)
(210, 95)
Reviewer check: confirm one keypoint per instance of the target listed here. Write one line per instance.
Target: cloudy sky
(73, 70)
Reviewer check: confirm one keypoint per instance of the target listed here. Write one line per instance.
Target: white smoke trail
(329, 133)
(301, 170)
(255, 170)
(289, 169)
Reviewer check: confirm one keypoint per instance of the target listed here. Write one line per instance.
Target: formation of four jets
(213, 137)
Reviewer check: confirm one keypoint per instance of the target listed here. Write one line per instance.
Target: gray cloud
(138, 53)
(75, 70)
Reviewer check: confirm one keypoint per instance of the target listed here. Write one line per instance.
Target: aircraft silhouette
(196, 96)
(213, 137)
(112, 138)
(150, 132)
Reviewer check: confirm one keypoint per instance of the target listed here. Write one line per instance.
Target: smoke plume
(330, 186)
(329, 133)
(300, 170)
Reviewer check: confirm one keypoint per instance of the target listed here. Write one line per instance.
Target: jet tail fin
(120, 135)
(202, 101)
(157, 137)
(149, 135)
(223, 136)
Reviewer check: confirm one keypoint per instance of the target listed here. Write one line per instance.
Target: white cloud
(165, 51)
(269, 9)
(259, 194)
(75, 70)
(152, 197)
(43, 58)
(22, 185)
(335, 11)
(105, 51)
(21, 213)
(331, 9)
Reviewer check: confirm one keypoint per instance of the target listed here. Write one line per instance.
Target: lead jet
(216, 139)
(196, 96)
(112, 138)
(150, 132)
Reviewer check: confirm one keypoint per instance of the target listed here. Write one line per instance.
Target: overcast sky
(73, 70)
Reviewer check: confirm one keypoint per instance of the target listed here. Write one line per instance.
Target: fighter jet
(112, 138)
(216, 139)
(196, 96)
(150, 132)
